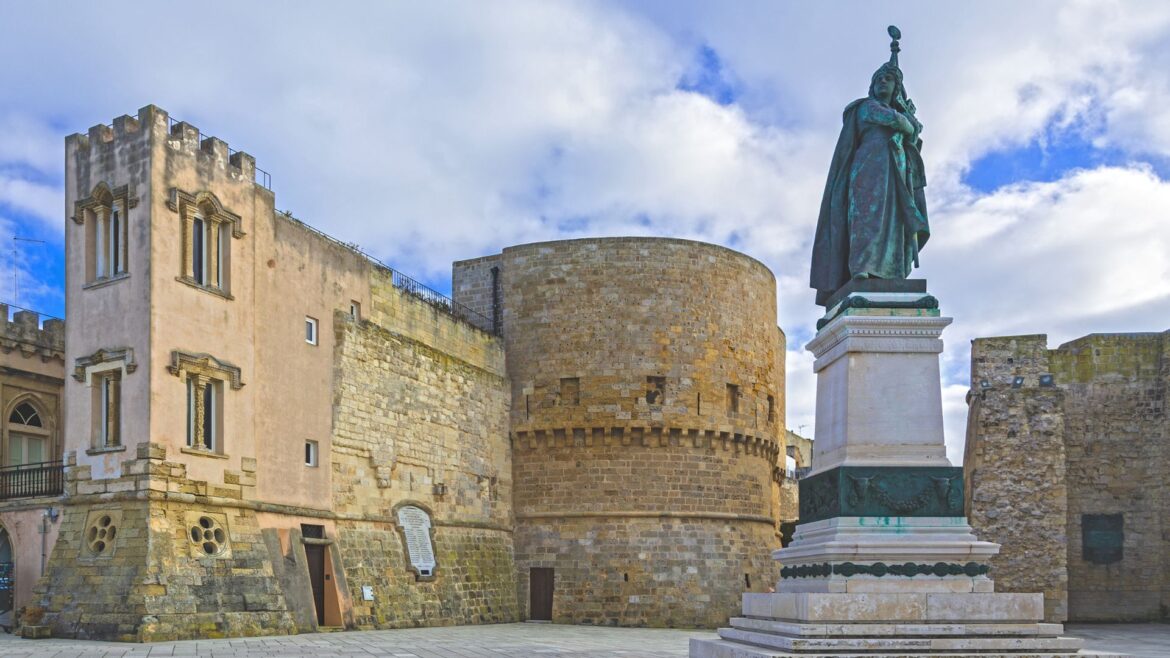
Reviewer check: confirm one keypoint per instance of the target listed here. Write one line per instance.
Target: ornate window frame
(200, 373)
(105, 366)
(47, 430)
(105, 214)
(204, 208)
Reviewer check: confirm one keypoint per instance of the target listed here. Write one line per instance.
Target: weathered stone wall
(473, 582)
(473, 287)
(409, 418)
(1092, 441)
(647, 399)
(608, 514)
(141, 575)
(1014, 469)
(1116, 434)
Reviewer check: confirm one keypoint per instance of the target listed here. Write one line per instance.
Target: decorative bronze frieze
(882, 491)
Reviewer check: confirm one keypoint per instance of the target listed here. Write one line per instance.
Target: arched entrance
(7, 581)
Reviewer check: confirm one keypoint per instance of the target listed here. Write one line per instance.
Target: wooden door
(315, 556)
(540, 593)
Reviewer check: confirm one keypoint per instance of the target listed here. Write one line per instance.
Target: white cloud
(45, 202)
(430, 133)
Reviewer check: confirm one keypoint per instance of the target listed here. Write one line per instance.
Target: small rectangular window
(771, 409)
(310, 330)
(310, 453)
(355, 311)
(198, 269)
(570, 391)
(116, 240)
(107, 402)
(732, 399)
(203, 429)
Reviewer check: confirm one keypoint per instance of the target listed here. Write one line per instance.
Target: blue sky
(431, 133)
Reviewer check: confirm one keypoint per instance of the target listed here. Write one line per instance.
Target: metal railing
(262, 177)
(13, 308)
(409, 285)
(32, 480)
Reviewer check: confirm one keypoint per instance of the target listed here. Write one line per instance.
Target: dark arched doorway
(7, 581)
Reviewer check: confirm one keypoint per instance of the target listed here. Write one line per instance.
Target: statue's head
(886, 82)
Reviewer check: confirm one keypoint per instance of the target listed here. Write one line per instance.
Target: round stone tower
(647, 418)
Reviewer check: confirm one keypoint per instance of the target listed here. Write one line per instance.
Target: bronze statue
(873, 214)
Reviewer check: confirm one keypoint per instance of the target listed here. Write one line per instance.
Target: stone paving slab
(502, 640)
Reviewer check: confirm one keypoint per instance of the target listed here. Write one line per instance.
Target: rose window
(209, 536)
(100, 535)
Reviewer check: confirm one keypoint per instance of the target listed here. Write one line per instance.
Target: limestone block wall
(416, 423)
(127, 566)
(1014, 470)
(647, 409)
(1093, 442)
(1116, 434)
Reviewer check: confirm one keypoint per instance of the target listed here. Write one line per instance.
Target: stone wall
(1015, 473)
(417, 424)
(1117, 440)
(127, 566)
(1088, 439)
(647, 409)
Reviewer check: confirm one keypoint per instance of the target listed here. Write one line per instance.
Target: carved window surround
(103, 371)
(121, 358)
(107, 236)
(102, 199)
(204, 375)
(213, 274)
(186, 364)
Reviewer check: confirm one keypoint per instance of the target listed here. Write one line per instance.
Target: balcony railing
(32, 480)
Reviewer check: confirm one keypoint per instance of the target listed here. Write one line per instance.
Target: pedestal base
(814, 623)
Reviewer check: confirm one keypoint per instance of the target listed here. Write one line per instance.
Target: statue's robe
(873, 213)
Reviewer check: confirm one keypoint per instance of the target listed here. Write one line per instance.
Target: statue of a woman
(873, 214)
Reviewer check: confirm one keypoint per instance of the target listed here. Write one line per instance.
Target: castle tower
(156, 448)
(647, 414)
(266, 433)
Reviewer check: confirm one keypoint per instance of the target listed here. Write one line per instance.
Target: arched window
(26, 414)
(28, 438)
(104, 214)
(207, 229)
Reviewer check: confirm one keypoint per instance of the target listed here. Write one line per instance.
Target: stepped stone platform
(883, 562)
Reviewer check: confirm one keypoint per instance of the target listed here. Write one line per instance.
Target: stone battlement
(999, 361)
(27, 333)
(180, 136)
(650, 437)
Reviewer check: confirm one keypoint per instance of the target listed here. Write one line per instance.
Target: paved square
(496, 641)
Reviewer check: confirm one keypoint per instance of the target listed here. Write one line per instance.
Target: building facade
(32, 370)
(647, 420)
(269, 432)
(1067, 456)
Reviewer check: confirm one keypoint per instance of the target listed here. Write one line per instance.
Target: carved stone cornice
(124, 355)
(209, 205)
(102, 197)
(204, 364)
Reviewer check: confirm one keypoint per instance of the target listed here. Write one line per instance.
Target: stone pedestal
(883, 561)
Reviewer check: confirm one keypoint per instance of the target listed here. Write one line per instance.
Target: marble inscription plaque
(416, 528)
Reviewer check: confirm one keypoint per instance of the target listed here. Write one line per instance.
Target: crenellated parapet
(585, 438)
(104, 145)
(26, 333)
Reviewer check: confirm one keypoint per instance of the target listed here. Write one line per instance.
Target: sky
(438, 131)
